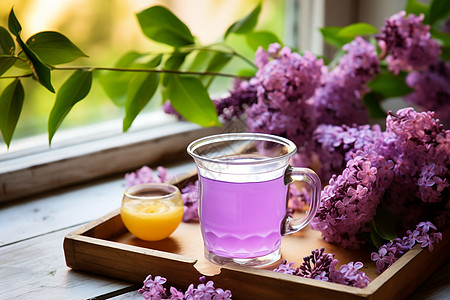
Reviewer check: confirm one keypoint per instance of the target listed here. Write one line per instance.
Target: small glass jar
(152, 211)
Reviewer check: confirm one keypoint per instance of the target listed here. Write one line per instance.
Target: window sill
(33, 173)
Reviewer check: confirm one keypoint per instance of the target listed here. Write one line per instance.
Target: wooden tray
(105, 247)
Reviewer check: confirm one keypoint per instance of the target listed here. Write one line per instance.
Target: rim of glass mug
(144, 186)
(237, 137)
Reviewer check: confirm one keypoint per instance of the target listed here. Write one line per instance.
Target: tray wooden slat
(105, 247)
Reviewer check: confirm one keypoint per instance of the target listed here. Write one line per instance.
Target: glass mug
(243, 189)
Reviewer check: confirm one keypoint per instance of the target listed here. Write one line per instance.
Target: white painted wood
(36, 269)
(41, 172)
(67, 207)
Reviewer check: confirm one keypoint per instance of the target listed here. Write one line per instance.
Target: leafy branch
(187, 70)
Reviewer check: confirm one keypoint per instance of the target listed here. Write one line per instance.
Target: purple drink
(242, 220)
(244, 179)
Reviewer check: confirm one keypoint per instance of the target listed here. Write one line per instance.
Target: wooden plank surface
(36, 269)
(65, 208)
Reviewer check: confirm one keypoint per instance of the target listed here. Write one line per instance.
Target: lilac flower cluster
(339, 99)
(335, 145)
(242, 96)
(284, 83)
(146, 175)
(419, 147)
(431, 89)
(425, 234)
(350, 200)
(411, 158)
(291, 94)
(189, 194)
(322, 266)
(170, 110)
(408, 43)
(153, 289)
(317, 265)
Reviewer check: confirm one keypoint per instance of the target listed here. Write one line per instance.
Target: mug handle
(294, 174)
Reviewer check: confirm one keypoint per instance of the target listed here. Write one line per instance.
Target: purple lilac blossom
(317, 265)
(350, 200)
(322, 266)
(335, 145)
(412, 157)
(431, 90)
(240, 98)
(407, 43)
(189, 194)
(154, 289)
(170, 110)
(284, 82)
(350, 274)
(425, 234)
(417, 143)
(339, 99)
(146, 175)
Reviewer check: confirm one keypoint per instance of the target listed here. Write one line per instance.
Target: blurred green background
(105, 30)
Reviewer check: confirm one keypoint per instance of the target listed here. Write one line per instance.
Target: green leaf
(174, 62)
(161, 25)
(416, 8)
(438, 10)
(141, 89)
(385, 224)
(372, 101)
(375, 238)
(442, 37)
(6, 62)
(7, 45)
(246, 72)
(200, 61)
(53, 48)
(218, 61)
(357, 29)
(332, 37)
(40, 71)
(245, 24)
(11, 102)
(22, 63)
(389, 85)
(445, 53)
(13, 24)
(261, 38)
(74, 89)
(191, 99)
(115, 84)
